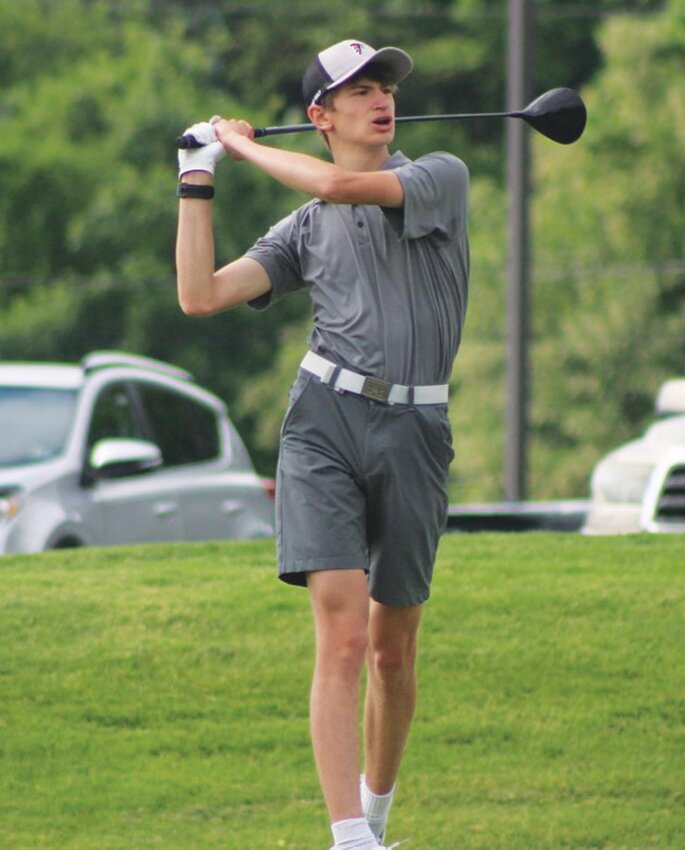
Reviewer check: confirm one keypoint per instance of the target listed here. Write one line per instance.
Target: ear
(319, 117)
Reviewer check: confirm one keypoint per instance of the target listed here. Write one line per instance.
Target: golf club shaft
(404, 119)
(189, 142)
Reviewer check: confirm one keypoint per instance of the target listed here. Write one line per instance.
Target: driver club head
(559, 114)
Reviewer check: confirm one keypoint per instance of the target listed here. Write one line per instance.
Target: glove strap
(191, 190)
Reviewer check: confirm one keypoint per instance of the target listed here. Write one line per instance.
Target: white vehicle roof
(649, 448)
(671, 398)
(68, 376)
(52, 375)
(65, 376)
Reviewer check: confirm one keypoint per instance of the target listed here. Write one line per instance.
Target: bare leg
(391, 691)
(340, 603)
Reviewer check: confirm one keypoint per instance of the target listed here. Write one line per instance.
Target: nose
(382, 99)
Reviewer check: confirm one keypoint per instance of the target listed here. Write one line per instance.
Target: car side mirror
(118, 457)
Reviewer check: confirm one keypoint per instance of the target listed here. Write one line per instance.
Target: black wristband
(192, 190)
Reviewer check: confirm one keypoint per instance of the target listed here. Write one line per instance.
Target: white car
(120, 449)
(641, 485)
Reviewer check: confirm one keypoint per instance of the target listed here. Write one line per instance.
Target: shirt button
(360, 224)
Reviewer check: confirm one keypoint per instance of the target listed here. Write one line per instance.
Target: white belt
(374, 388)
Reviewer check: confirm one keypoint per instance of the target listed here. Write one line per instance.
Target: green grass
(156, 697)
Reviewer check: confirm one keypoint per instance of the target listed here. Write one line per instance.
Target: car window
(34, 423)
(114, 416)
(185, 430)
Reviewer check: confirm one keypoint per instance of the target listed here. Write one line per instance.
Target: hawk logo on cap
(357, 47)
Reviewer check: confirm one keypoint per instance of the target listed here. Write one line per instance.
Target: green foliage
(38, 38)
(610, 296)
(65, 320)
(92, 189)
(158, 696)
(88, 205)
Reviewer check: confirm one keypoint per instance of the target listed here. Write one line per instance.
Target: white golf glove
(204, 158)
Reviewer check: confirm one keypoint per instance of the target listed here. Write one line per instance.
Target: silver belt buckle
(376, 389)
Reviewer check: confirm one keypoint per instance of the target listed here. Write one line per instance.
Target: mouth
(385, 122)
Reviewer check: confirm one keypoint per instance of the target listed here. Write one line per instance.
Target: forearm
(195, 250)
(314, 176)
(298, 171)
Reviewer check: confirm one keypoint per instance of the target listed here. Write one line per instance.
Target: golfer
(365, 448)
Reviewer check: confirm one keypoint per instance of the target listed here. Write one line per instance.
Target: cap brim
(399, 62)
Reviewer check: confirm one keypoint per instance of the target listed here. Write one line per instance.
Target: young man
(366, 442)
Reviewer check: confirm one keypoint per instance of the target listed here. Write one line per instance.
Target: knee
(345, 649)
(392, 661)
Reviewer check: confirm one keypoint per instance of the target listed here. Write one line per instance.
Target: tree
(608, 296)
(87, 188)
(610, 315)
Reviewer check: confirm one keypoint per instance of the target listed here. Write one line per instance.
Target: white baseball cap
(339, 63)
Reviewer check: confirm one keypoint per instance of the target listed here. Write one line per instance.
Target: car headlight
(11, 502)
(614, 481)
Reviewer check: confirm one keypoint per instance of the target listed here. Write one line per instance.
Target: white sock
(376, 808)
(353, 834)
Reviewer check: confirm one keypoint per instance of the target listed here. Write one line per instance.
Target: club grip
(188, 142)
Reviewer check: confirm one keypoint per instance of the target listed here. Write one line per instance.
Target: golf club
(559, 114)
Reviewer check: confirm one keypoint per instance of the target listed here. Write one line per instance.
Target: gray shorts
(362, 485)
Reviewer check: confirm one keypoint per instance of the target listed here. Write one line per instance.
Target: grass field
(156, 697)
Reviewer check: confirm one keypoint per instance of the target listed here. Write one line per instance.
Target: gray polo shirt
(388, 285)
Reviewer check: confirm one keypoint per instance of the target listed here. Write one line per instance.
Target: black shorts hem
(297, 576)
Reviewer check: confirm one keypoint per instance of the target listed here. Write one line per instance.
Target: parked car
(663, 507)
(120, 449)
(640, 486)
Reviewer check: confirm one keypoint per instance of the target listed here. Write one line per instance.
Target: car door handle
(163, 509)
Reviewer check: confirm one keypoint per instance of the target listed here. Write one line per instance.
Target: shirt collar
(395, 161)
